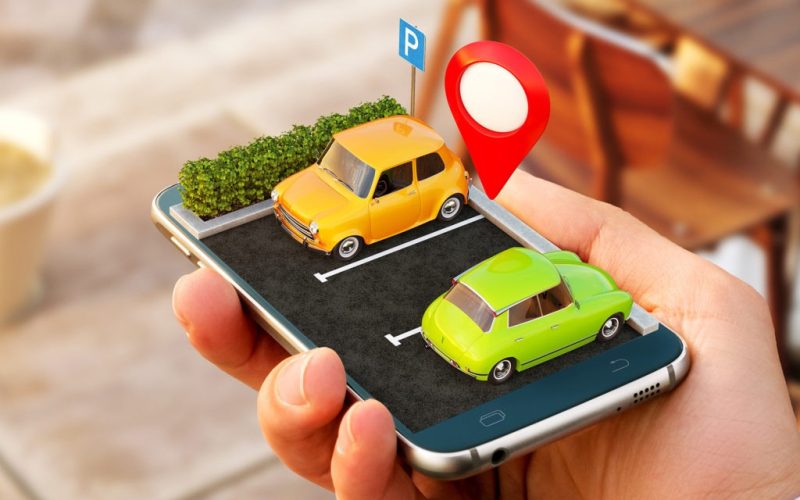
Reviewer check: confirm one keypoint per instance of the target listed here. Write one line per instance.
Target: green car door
(543, 327)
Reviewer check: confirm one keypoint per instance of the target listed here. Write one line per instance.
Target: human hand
(727, 430)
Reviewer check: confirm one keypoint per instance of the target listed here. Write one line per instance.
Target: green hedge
(244, 175)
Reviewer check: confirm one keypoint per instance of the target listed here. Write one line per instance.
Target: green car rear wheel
(502, 371)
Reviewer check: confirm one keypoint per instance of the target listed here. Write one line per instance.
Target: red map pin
(501, 105)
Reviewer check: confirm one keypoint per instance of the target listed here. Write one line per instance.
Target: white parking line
(395, 340)
(323, 277)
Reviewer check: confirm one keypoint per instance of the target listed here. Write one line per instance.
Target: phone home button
(619, 364)
(492, 418)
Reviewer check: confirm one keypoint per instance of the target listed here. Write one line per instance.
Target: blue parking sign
(412, 45)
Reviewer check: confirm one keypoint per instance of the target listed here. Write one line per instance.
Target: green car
(521, 308)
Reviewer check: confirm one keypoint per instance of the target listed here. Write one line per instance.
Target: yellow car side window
(393, 179)
(429, 165)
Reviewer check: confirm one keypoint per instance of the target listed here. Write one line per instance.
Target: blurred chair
(620, 132)
(618, 15)
(613, 13)
(740, 100)
(759, 110)
(700, 75)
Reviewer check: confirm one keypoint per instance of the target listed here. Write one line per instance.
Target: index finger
(209, 309)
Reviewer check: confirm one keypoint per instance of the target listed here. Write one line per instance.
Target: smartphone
(369, 311)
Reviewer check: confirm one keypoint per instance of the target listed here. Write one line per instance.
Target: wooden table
(762, 36)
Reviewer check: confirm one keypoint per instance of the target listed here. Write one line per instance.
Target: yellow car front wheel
(348, 248)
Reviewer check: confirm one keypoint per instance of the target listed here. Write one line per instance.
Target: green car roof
(510, 276)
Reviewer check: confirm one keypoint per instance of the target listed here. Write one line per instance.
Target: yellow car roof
(388, 142)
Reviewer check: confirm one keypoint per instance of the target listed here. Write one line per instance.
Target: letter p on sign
(412, 45)
(412, 42)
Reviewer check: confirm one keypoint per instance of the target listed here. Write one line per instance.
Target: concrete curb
(200, 228)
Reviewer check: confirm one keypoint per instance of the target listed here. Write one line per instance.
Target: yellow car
(373, 181)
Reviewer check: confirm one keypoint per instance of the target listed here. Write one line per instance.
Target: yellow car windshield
(472, 304)
(343, 166)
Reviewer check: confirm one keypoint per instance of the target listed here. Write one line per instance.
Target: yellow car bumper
(300, 236)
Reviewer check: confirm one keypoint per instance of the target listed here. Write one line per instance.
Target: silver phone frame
(454, 465)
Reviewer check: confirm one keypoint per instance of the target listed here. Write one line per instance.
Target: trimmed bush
(244, 175)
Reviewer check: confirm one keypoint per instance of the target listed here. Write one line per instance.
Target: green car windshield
(472, 305)
(343, 166)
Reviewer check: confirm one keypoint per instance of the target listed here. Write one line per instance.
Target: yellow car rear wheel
(450, 208)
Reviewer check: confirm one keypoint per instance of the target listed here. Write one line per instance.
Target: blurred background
(685, 113)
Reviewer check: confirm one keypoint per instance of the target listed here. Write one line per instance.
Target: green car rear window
(473, 306)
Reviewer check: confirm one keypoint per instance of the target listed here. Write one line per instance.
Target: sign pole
(413, 85)
(411, 47)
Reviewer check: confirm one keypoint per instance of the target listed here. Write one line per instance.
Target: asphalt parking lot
(369, 310)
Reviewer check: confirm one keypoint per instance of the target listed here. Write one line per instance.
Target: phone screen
(369, 311)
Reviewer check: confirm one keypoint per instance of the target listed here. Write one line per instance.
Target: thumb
(364, 465)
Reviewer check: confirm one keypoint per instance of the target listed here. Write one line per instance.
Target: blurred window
(400, 176)
(472, 304)
(343, 166)
(525, 311)
(554, 299)
(429, 165)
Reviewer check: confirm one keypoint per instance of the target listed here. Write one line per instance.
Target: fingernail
(346, 438)
(290, 385)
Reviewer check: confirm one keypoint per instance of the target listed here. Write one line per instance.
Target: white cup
(23, 223)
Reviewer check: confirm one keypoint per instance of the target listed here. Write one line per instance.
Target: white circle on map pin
(493, 97)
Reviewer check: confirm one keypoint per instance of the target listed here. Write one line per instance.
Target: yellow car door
(395, 205)
(432, 184)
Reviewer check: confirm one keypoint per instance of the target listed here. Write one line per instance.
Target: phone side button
(179, 246)
(492, 418)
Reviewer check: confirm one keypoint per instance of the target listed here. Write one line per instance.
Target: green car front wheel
(611, 327)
